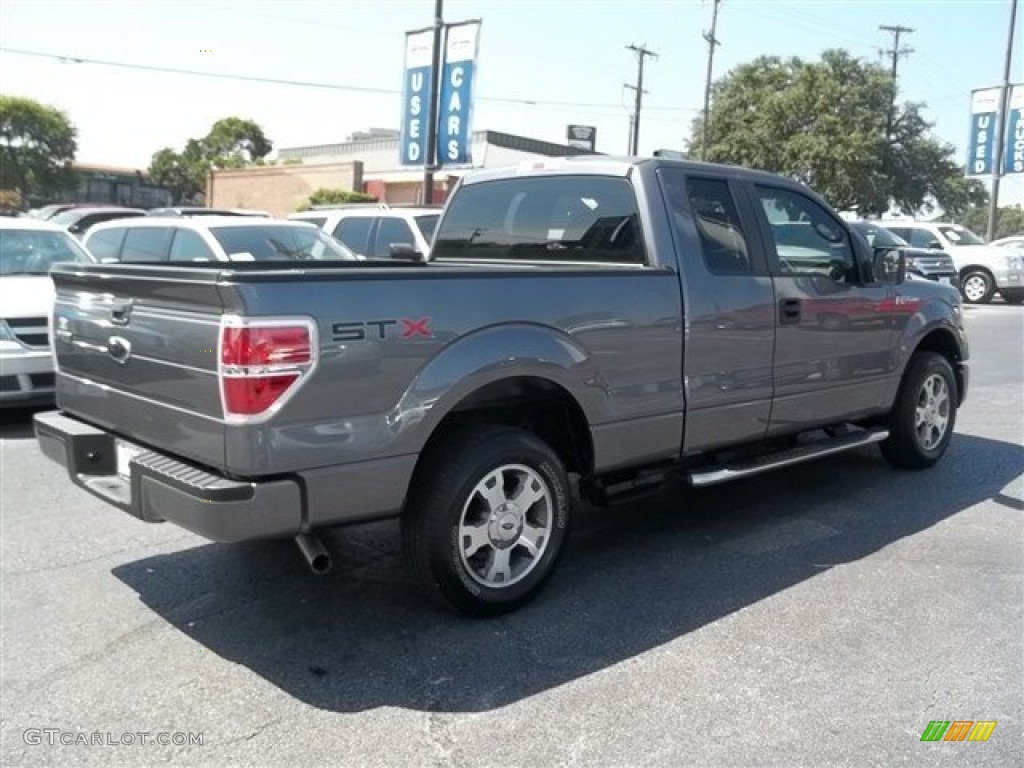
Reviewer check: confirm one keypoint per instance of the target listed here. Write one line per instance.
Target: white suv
(211, 238)
(984, 269)
(371, 229)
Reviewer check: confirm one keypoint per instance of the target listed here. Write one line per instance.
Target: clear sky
(567, 56)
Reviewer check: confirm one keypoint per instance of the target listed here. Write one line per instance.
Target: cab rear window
(555, 218)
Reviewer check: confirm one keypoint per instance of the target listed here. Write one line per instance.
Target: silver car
(28, 248)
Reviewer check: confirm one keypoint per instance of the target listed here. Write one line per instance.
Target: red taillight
(260, 363)
(265, 346)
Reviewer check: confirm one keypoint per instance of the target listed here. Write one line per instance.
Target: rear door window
(142, 244)
(106, 244)
(391, 231)
(427, 225)
(190, 246)
(355, 233)
(723, 242)
(544, 218)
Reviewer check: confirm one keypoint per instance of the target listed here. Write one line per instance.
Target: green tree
(325, 196)
(1009, 220)
(183, 173)
(37, 147)
(234, 143)
(231, 142)
(826, 124)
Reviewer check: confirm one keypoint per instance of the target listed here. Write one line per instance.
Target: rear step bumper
(157, 488)
(807, 452)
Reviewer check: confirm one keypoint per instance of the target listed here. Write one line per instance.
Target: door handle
(121, 311)
(789, 311)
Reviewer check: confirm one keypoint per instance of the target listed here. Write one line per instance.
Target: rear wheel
(977, 286)
(487, 519)
(922, 420)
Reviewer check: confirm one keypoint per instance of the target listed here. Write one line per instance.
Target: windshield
(280, 243)
(879, 237)
(33, 252)
(427, 225)
(958, 235)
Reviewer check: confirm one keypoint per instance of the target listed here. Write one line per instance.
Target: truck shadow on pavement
(633, 578)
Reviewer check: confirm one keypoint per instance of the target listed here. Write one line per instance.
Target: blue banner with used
(1013, 152)
(412, 144)
(454, 129)
(981, 146)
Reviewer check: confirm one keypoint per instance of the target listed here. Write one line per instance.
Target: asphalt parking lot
(818, 616)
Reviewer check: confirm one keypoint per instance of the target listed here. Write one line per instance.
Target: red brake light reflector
(249, 395)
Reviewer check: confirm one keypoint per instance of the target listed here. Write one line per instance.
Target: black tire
(1012, 296)
(907, 447)
(979, 283)
(446, 489)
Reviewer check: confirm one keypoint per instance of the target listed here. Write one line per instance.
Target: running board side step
(724, 473)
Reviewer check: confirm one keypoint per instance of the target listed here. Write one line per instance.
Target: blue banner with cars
(412, 143)
(454, 128)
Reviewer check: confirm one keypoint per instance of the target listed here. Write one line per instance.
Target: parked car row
(211, 238)
(940, 252)
(984, 269)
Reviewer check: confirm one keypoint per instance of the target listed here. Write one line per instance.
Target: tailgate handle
(121, 311)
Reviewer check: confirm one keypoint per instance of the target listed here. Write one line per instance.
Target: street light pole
(1004, 101)
(435, 81)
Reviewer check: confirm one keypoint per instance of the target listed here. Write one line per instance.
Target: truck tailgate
(136, 350)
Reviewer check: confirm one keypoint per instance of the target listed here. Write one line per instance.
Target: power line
(641, 54)
(72, 59)
(712, 44)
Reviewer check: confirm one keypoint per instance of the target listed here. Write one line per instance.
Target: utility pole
(435, 81)
(641, 53)
(896, 53)
(712, 44)
(1004, 99)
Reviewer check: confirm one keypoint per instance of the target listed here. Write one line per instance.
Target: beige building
(369, 165)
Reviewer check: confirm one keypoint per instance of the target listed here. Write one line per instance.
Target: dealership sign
(982, 144)
(1013, 154)
(416, 97)
(983, 159)
(581, 137)
(455, 100)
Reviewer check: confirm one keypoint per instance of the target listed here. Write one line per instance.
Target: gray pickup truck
(609, 320)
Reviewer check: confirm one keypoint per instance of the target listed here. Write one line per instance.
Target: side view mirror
(404, 252)
(935, 245)
(889, 265)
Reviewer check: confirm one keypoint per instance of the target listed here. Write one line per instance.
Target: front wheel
(487, 519)
(977, 286)
(922, 420)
